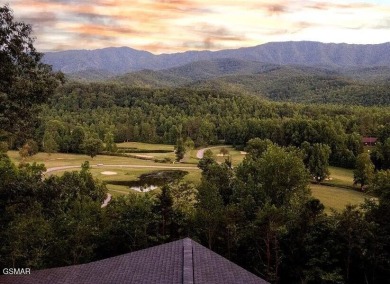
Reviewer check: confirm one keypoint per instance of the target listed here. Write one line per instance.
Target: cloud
(209, 36)
(276, 9)
(216, 32)
(41, 18)
(101, 30)
(177, 25)
(332, 6)
(382, 24)
(97, 18)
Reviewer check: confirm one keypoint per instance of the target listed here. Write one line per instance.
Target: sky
(168, 26)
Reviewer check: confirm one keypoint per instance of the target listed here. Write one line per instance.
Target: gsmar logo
(16, 271)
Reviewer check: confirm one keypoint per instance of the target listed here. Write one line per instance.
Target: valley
(257, 164)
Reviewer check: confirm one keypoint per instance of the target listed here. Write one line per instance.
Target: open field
(335, 197)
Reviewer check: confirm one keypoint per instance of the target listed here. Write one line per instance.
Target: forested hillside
(207, 117)
(292, 83)
(123, 59)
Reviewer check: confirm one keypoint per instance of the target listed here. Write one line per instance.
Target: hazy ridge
(123, 59)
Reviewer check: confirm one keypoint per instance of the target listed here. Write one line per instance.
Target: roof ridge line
(188, 265)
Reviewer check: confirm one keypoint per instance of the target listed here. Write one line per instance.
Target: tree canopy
(25, 82)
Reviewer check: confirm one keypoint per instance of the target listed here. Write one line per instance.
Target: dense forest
(302, 84)
(98, 110)
(259, 214)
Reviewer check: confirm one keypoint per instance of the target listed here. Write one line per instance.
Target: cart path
(200, 152)
(107, 200)
(56, 169)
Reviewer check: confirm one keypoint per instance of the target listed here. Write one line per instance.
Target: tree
(132, 216)
(180, 149)
(77, 138)
(30, 148)
(3, 147)
(354, 233)
(93, 146)
(256, 147)
(209, 212)
(317, 159)
(278, 176)
(189, 144)
(378, 213)
(110, 145)
(381, 155)
(25, 82)
(224, 151)
(364, 171)
(164, 212)
(49, 144)
(206, 161)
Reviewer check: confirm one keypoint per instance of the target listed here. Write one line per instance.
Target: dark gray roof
(183, 261)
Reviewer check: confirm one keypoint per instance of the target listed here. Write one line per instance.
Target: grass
(335, 197)
(145, 146)
(235, 155)
(340, 176)
(190, 157)
(62, 159)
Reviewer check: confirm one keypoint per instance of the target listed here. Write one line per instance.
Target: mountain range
(121, 60)
(292, 71)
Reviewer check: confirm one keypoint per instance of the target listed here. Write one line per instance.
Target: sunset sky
(166, 26)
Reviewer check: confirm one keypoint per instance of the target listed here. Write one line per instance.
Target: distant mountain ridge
(121, 60)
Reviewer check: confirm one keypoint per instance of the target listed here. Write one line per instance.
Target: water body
(151, 181)
(144, 188)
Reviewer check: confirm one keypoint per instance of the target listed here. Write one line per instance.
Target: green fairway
(335, 197)
(332, 197)
(62, 159)
(103, 163)
(340, 176)
(145, 146)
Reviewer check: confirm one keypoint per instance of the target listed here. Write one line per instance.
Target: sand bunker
(144, 156)
(107, 173)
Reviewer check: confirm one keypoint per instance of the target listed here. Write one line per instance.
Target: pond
(150, 181)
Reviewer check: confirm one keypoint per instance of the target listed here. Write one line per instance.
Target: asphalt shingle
(183, 261)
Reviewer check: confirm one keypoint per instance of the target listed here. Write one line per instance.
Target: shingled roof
(183, 261)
